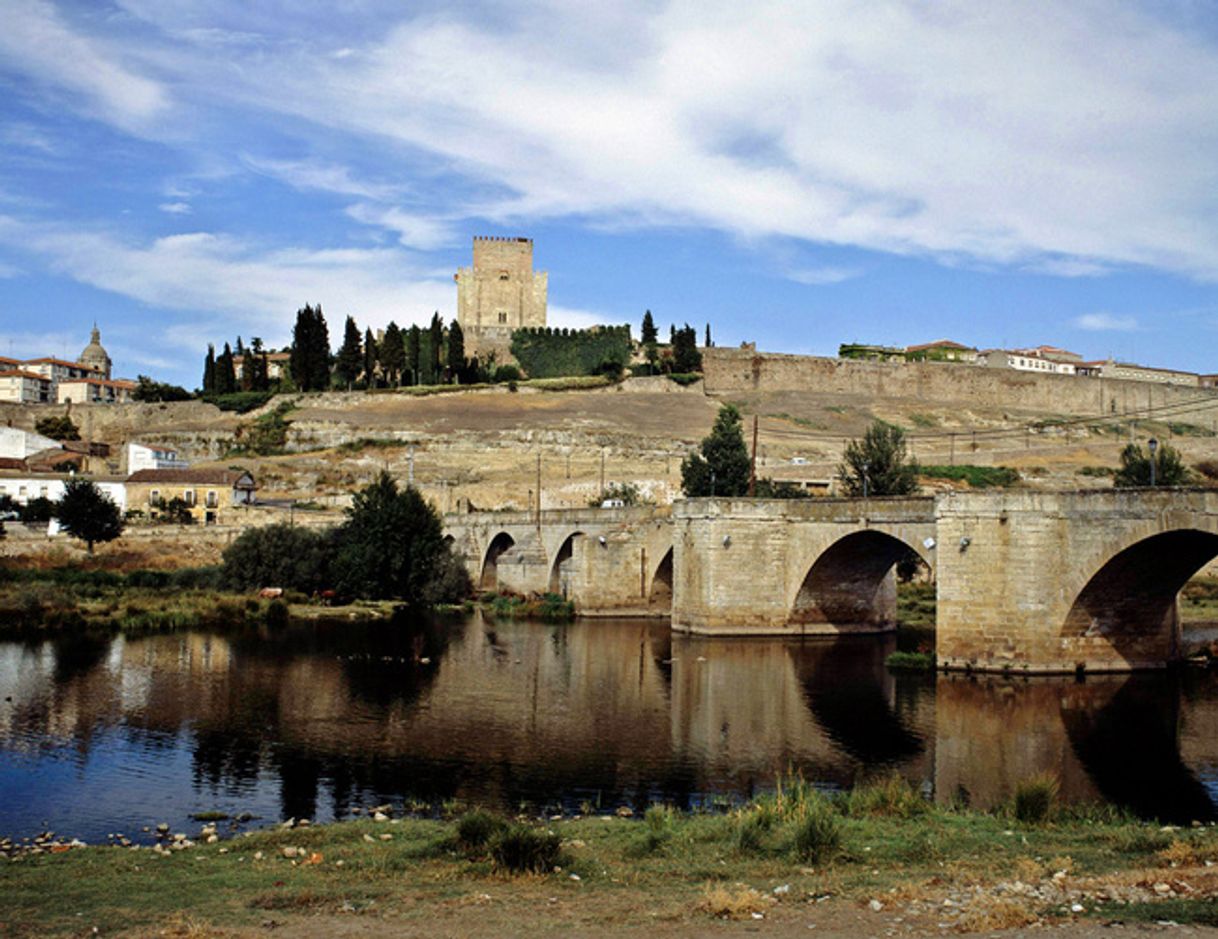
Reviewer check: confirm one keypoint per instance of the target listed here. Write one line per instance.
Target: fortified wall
(733, 371)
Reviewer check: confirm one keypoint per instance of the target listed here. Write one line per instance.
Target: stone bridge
(1027, 581)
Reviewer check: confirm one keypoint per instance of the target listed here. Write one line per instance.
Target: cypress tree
(257, 370)
(708, 343)
(436, 334)
(392, 354)
(370, 359)
(414, 343)
(319, 352)
(226, 378)
(350, 355)
(301, 361)
(456, 352)
(209, 371)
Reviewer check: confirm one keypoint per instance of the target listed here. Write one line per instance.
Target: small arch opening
(853, 582)
(501, 543)
(659, 598)
(563, 569)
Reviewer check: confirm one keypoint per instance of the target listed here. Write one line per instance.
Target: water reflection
(310, 721)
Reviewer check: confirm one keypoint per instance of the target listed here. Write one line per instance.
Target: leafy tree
(685, 355)
(392, 544)
(350, 355)
(722, 466)
(279, 555)
(57, 428)
(414, 353)
(175, 512)
(880, 460)
(1135, 467)
(370, 359)
(779, 489)
(457, 366)
(39, 509)
(87, 513)
(209, 371)
(148, 390)
(392, 354)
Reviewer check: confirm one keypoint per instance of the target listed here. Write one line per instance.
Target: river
(99, 736)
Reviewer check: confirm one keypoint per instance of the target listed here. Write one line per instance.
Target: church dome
(94, 355)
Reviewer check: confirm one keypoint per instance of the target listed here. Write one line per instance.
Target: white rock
(876, 906)
(782, 890)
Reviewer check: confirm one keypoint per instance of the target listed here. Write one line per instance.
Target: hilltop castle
(500, 293)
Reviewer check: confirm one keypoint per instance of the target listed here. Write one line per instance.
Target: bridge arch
(850, 583)
(1129, 603)
(659, 596)
(489, 578)
(562, 569)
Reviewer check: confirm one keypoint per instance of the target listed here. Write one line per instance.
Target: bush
(818, 836)
(658, 821)
(978, 477)
(548, 353)
(506, 373)
(477, 829)
(892, 797)
(239, 401)
(1035, 799)
(522, 849)
(278, 555)
(910, 662)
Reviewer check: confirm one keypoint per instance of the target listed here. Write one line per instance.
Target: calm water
(109, 736)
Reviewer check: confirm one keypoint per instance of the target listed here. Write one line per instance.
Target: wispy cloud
(322, 177)
(38, 42)
(1106, 322)
(413, 231)
(820, 276)
(238, 279)
(1069, 267)
(175, 208)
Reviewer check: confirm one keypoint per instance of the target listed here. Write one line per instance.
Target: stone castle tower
(500, 293)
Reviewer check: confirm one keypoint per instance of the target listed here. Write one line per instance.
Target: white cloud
(570, 318)
(1106, 322)
(817, 276)
(175, 208)
(1069, 267)
(414, 231)
(251, 288)
(322, 177)
(990, 131)
(37, 42)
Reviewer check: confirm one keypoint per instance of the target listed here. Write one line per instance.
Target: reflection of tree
(1131, 750)
(77, 654)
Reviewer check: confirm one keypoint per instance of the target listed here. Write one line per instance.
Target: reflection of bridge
(1031, 581)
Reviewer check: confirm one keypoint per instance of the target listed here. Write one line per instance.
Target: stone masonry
(499, 294)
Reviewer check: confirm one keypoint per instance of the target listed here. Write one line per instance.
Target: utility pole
(753, 463)
(538, 488)
(602, 472)
(410, 471)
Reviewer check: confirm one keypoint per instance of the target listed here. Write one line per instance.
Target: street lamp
(1154, 445)
(866, 477)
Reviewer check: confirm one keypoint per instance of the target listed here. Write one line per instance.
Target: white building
(95, 391)
(1024, 360)
(21, 444)
(143, 457)
(23, 486)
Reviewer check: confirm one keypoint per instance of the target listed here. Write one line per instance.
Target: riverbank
(878, 859)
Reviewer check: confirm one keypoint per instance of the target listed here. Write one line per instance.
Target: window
(154, 497)
(502, 317)
(503, 275)
(42, 492)
(212, 500)
(189, 497)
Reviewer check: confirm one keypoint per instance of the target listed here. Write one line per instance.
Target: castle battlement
(500, 293)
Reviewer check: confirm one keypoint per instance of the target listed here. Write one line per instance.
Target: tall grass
(1035, 799)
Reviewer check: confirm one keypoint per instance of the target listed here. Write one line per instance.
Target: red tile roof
(223, 477)
(22, 373)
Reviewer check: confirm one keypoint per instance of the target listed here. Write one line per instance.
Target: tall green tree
(391, 544)
(708, 344)
(87, 513)
(456, 352)
(350, 355)
(226, 373)
(721, 465)
(685, 355)
(414, 353)
(392, 354)
(878, 465)
(1136, 462)
(370, 359)
(648, 333)
(257, 366)
(310, 361)
(436, 335)
(209, 371)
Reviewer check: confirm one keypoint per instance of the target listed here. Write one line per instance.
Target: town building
(16, 444)
(23, 485)
(1024, 360)
(278, 364)
(1128, 371)
(95, 391)
(145, 457)
(48, 380)
(500, 293)
(211, 495)
(874, 353)
(941, 350)
(23, 386)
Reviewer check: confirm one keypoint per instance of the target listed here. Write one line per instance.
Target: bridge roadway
(1031, 582)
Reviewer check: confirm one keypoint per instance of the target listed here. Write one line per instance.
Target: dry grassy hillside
(484, 445)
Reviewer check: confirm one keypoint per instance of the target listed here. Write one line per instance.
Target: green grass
(923, 420)
(910, 661)
(978, 477)
(549, 607)
(862, 844)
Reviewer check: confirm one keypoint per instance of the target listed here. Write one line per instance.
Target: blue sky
(798, 174)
